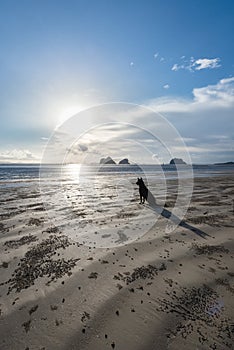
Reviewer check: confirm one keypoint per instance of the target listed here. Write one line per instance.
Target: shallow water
(26, 173)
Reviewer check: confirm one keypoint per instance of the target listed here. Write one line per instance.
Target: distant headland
(227, 163)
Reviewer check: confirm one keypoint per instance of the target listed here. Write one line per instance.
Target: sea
(14, 175)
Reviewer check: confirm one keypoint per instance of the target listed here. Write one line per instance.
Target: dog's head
(139, 182)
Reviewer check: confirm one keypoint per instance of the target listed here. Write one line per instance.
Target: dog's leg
(140, 199)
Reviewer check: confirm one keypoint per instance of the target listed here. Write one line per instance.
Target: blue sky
(60, 57)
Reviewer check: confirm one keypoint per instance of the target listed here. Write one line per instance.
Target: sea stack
(107, 160)
(124, 161)
(177, 161)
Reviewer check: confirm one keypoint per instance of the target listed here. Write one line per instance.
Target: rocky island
(124, 161)
(107, 160)
(177, 161)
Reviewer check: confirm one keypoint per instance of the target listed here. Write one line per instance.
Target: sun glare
(73, 171)
(66, 112)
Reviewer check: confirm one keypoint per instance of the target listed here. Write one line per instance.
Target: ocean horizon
(17, 172)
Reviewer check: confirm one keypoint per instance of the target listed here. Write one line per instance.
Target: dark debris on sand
(33, 309)
(19, 242)
(51, 229)
(93, 275)
(2, 227)
(38, 262)
(216, 220)
(200, 310)
(208, 249)
(85, 317)
(142, 272)
(35, 222)
(225, 283)
(27, 326)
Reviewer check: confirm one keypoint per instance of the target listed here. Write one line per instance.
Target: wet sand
(163, 291)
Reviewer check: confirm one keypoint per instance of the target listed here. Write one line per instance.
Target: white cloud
(78, 148)
(195, 149)
(188, 139)
(175, 67)
(166, 86)
(131, 64)
(199, 64)
(205, 122)
(156, 55)
(220, 95)
(227, 80)
(204, 63)
(17, 155)
(218, 137)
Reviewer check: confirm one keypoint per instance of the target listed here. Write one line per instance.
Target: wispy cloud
(196, 65)
(44, 138)
(166, 86)
(176, 67)
(227, 80)
(158, 57)
(188, 139)
(78, 148)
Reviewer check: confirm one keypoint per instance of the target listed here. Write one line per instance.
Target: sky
(60, 57)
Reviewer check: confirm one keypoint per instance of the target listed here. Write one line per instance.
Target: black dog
(143, 190)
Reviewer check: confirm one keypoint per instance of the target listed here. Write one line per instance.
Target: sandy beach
(116, 175)
(161, 291)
